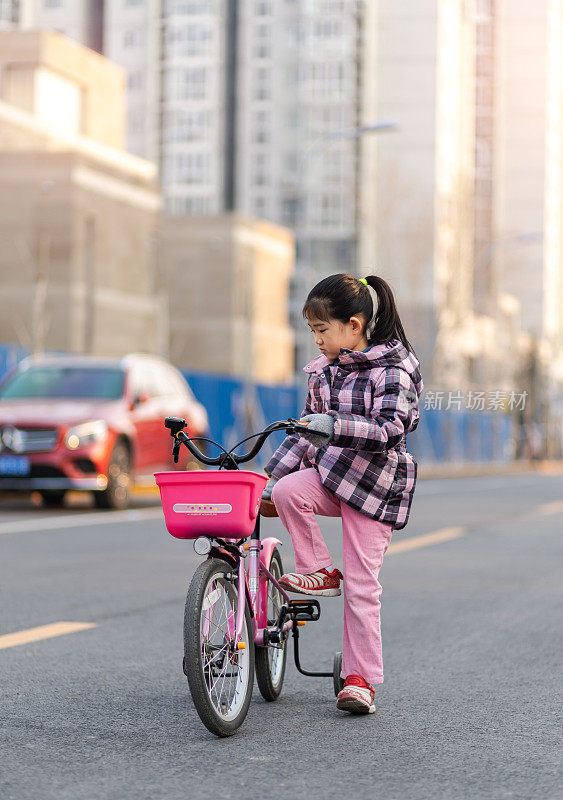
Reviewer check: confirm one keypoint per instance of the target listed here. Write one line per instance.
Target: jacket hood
(378, 356)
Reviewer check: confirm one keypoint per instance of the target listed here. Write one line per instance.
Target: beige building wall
(460, 336)
(520, 155)
(481, 161)
(397, 230)
(228, 279)
(65, 86)
(78, 221)
(553, 251)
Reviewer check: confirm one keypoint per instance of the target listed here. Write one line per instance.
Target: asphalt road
(470, 706)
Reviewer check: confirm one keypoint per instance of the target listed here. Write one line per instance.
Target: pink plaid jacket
(373, 398)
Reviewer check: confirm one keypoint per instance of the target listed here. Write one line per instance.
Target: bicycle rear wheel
(220, 678)
(271, 660)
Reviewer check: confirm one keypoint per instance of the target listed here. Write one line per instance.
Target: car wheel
(53, 497)
(117, 494)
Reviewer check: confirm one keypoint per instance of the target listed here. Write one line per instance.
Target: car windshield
(96, 383)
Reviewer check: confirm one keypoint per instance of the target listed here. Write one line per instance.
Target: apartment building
(235, 102)
(78, 214)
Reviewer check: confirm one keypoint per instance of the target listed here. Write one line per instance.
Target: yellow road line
(551, 508)
(425, 539)
(43, 632)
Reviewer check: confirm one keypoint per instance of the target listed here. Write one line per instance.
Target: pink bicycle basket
(222, 503)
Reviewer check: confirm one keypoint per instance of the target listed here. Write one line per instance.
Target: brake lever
(302, 426)
(293, 427)
(176, 449)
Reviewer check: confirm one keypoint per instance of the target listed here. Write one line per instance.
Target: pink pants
(298, 497)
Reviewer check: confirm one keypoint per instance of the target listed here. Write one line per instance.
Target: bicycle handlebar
(229, 460)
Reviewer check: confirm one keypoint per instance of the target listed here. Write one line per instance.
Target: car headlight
(86, 433)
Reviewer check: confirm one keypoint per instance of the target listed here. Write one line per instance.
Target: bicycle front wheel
(220, 678)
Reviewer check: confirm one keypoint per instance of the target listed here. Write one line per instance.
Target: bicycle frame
(252, 586)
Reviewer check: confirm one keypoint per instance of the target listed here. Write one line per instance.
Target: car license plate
(14, 465)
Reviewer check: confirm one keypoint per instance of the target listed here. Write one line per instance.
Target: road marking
(31, 525)
(43, 632)
(425, 539)
(551, 508)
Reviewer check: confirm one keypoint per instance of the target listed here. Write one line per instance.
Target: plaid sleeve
(395, 403)
(287, 457)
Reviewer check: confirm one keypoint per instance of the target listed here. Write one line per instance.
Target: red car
(97, 424)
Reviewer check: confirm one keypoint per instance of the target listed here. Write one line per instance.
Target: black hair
(342, 296)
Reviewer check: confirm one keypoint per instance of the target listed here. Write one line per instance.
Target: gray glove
(323, 423)
(267, 493)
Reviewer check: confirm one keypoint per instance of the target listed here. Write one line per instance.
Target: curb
(475, 470)
(441, 471)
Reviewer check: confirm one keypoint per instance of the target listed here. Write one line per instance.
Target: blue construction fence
(236, 411)
(442, 436)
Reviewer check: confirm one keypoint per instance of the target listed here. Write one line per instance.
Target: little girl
(363, 392)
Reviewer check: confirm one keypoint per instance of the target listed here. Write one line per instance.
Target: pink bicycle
(237, 619)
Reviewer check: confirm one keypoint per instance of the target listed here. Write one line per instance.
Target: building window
(52, 3)
(135, 80)
(262, 126)
(189, 40)
(323, 80)
(326, 210)
(263, 8)
(186, 7)
(260, 206)
(186, 84)
(262, 90)
(260, 177)
(262, 32)
(187, 126)
(261, 136)
(132, 38)
(291, 211)
(178, 206)
(134, 2)
(188, 168)
(262, 48)
(197, 205)
(262, 51)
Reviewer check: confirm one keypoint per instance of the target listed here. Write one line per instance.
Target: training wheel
(336, 670)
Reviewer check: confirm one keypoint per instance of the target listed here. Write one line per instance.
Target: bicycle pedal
(305, 610)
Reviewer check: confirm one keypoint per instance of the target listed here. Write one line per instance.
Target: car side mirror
(140, 398)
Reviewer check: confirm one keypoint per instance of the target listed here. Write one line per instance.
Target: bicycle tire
(337, 681)
(197, 669)
(270, 681)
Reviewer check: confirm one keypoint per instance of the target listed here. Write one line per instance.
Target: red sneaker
(321, 582)
(357, 696)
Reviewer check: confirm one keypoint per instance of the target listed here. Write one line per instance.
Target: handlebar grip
(175, 424)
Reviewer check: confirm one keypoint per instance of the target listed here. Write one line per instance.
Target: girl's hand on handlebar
(319, 430)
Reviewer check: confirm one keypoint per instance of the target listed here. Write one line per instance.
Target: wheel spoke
(222, 667)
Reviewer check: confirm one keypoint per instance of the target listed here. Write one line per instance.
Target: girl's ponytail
(386, 322)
